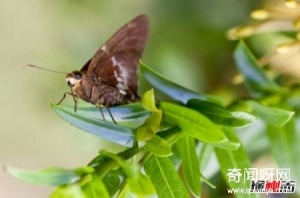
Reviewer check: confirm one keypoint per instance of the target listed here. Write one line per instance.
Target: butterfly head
(73, 78)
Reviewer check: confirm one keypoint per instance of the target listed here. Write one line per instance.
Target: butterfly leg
(74, 98)
(110, 114)
(100, 108)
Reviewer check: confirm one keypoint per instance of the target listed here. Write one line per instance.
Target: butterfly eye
(77, 75)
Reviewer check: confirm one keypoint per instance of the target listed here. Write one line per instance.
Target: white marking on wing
(114, 61)
(119, 79)
(122, 92)
(121, 86)
(124, 75)
(115, 73)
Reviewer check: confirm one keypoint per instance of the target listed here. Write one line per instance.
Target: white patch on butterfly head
(73, 81)
(103, 48)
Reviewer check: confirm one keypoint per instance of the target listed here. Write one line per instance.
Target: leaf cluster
(169, 145)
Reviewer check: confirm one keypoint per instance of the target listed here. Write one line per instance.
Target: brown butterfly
(109, 77)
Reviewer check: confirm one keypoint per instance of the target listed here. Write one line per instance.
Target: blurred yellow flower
(283, 16)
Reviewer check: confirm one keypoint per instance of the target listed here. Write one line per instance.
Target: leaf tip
(52, 105)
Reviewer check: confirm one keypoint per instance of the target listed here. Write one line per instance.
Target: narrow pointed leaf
(221, 115)
(138, 183)
(285, 147)
(49, 177)
(148, 102)
(164, 178)
(141, 186)
(151, 125)
(192, 122)
(68, 191)
(171, 89)
(234, 159)
(158, 146)
(113, 180)
(124, 192)
(256, 80)
(241, 119)
(146, 133)
(130, 115)
(87, 120)
(208, 162)
(190, 164)
(271, 115)
(95, 188)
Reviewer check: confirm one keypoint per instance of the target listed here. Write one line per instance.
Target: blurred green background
(187, 44)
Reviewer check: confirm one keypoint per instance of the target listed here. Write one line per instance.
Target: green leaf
(284, 143)
(293, 98)
(103, 164)
(98, 160)
(113, 180)
(208, 163)
(192, 122)
(241, 119)
(146, 131)
(95, 188)
(84, 170)
(234, 159)
(172, 89)
(148, 101)
(144, 134)
(89, 119)
(158, 146)
(124, 193)
(221, 115)
(69, 191)
(164, 177)
(255, 78)
(190, 164)
(139, 184)
(227, 145)
(130, 115)
(129, 169)
(271, 115)
(49, 177)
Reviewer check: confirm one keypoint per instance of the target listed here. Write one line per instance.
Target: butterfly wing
(86, 66)
(116, 62)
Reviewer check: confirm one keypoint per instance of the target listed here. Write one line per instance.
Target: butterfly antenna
(29, 65)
